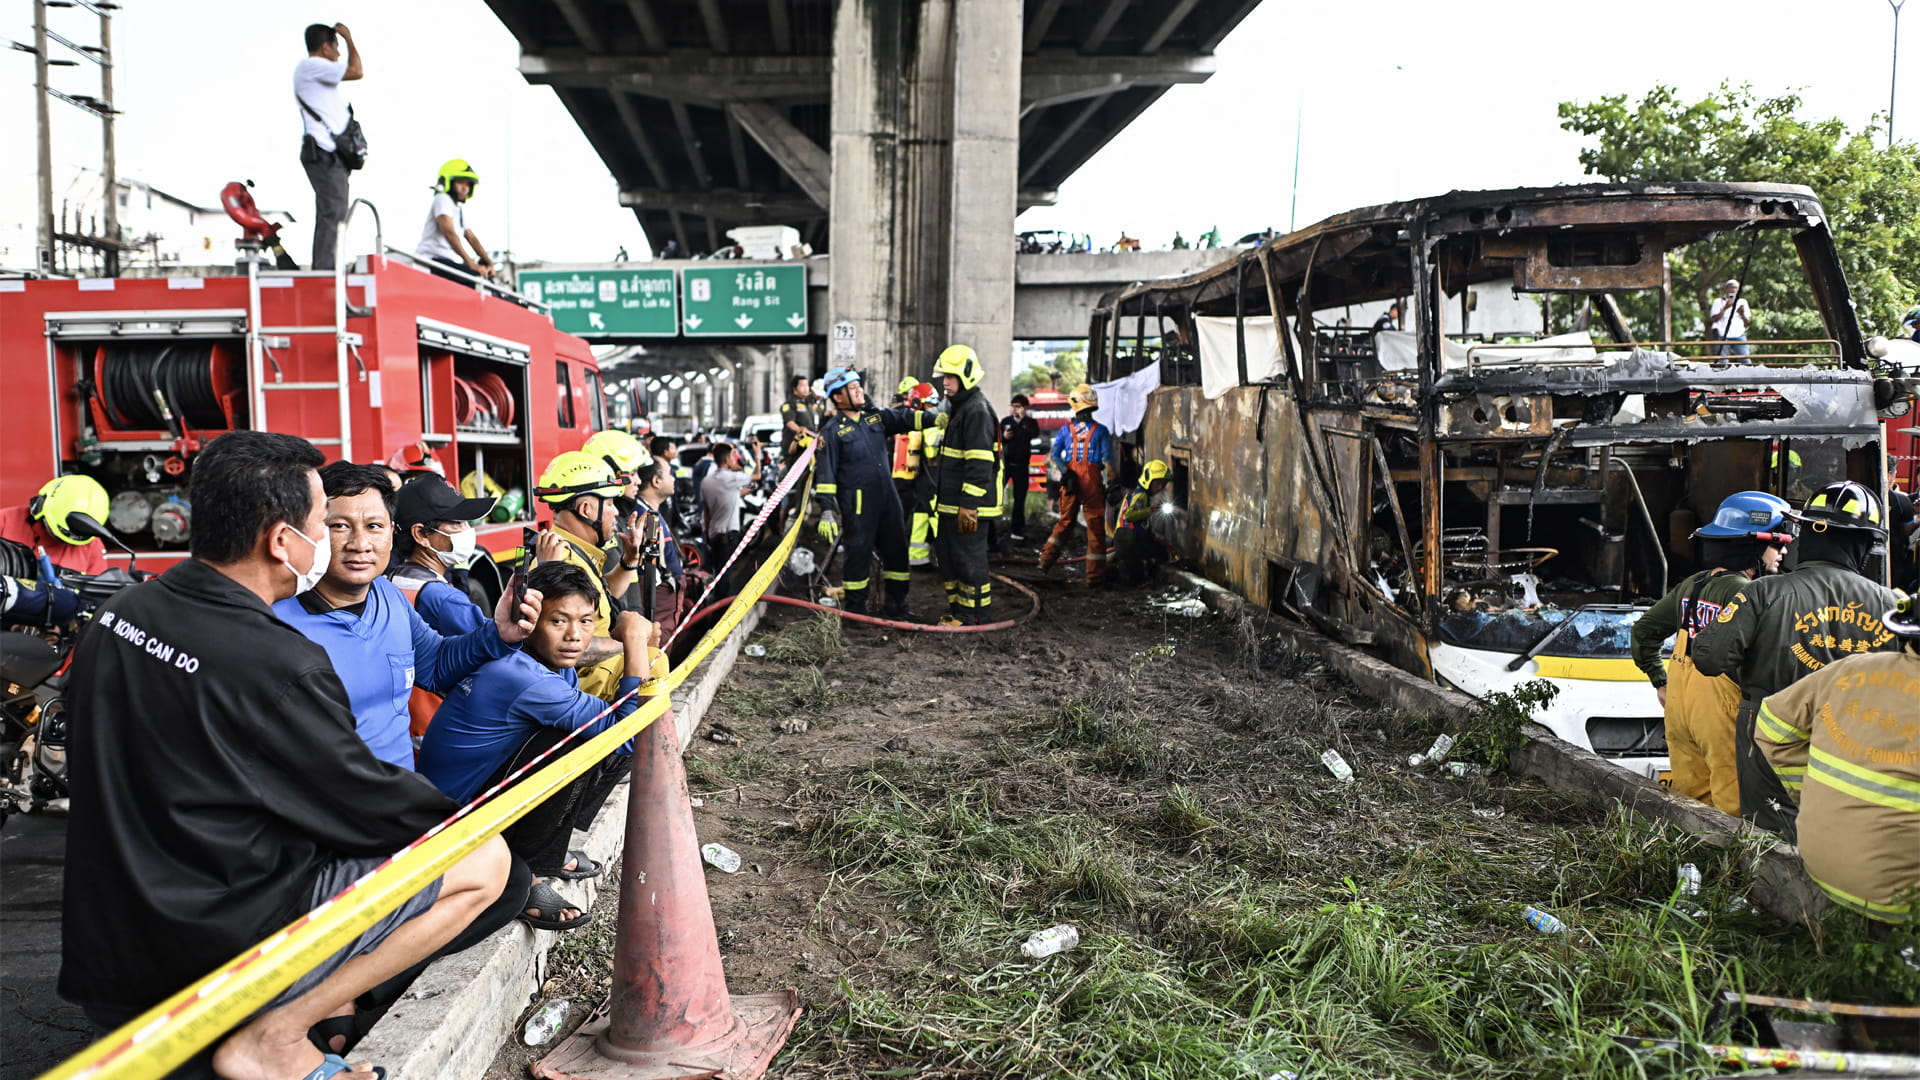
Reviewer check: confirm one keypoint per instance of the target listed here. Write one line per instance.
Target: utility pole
(110, 255)
(1893, 74)
(44, 257)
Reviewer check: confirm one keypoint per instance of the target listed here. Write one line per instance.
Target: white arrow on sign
(693, 322)
(594, 320)
(743, 321)
(796, 320)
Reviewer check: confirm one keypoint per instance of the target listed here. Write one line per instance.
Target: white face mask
(464, 545)
(322, 552)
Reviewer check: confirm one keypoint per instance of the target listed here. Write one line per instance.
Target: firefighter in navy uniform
(1778, 630)
(853, 477)
(967, 487)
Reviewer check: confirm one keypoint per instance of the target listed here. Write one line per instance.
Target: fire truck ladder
(262, 340)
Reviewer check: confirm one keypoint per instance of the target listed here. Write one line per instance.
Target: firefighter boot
(896, 603)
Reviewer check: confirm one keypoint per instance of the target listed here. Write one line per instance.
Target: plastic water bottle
(756, 650)
(1051, 940)
(1463, 768)
(1689, 878)
(1442, 743)
(1338, 766)
(543, 1025)
(721, 858)
(1543, 921)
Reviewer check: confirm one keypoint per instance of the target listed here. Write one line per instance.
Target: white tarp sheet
(1123, 402)
(1220, 360)
(1399, 350)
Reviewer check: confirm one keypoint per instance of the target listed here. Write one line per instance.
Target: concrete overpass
(726, 379)
(901, 135)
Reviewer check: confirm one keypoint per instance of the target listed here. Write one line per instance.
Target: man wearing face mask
(433, 539)
(380, 645)
(218, 789)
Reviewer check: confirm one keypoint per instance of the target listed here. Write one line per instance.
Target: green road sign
(754, 300)
(591, 303)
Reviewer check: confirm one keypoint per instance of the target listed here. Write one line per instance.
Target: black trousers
(541, 836)
(329, 179)
(1763, 798)
(873, 522)
(963, 570)
(1017, 481)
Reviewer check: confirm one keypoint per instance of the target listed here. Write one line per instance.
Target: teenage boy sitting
(516, 707)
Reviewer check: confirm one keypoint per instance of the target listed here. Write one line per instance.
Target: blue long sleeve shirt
(443, 605)
(488, 717)
(1083, 441)
(381, 651)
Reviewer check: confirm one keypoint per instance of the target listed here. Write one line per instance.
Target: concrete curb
(1781, 885)
(457, 1015)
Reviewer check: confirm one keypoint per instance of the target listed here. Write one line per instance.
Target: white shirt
(1729, 319)
(720, 492)
(432, 244)
(316, 80)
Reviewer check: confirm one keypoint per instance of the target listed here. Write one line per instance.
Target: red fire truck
(1049, 407)
(125, 379)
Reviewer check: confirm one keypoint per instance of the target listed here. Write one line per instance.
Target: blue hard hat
(1747, 514)
(838, 379)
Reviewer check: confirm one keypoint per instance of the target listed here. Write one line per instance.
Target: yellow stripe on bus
(1589, 668)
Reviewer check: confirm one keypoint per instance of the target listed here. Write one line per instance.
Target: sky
(1393, 99)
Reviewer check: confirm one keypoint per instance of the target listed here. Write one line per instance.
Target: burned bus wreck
(1474, 433)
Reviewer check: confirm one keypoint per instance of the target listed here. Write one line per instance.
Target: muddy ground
(1155, 780)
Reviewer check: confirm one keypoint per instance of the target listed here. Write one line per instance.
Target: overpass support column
(926, 102)
(986, 156)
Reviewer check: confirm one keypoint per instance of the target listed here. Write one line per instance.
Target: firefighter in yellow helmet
(1845, 740)
(447, 238)
(627, 456)
(1135, 547)
(584, 495)
(1083, 450)
(967, 487)
(46, 521)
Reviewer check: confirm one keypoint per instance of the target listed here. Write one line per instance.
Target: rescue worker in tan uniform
(1744, 541)
(1846, 743)
(1780, 629)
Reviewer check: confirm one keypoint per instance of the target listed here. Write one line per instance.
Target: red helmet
(921, 394)
(415, 457)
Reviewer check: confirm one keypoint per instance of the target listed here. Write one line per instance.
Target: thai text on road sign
(634, 303)
(744, 301)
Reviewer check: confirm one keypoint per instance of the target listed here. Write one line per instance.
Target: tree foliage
(1871, 193)
(1069, 367)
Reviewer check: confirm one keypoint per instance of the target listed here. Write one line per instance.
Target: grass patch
(1242, 913)
(812, 641)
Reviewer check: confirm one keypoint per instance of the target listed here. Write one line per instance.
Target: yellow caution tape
(165, 1036)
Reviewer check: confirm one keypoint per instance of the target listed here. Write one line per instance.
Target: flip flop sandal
(548, 904)
(335, 1065)
(584, 867)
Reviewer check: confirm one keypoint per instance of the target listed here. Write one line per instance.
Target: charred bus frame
(1489, 507)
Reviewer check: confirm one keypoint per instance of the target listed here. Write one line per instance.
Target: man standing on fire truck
(316, 86)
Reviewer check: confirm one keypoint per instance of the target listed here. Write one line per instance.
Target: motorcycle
(34, 661)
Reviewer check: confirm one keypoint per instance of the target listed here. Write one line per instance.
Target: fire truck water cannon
(259, 232)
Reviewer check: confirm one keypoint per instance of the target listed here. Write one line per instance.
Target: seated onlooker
(380, 646)
(433, 538)
(221, 794)
(720, 499)
(516, 708)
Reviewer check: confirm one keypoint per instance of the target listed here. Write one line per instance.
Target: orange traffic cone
(670, 1016)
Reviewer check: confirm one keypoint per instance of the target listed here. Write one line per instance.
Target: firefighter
(801, 415)
(580, 490)
(1744, 541)
(46, 521)
(1134, 546)
(1778, 630)
(967, 487)
(627, 456)
(909, 460)
(1083, 449)
(1845, 742)
(851, 479)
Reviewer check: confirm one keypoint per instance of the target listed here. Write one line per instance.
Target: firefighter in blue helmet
(853, 474)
